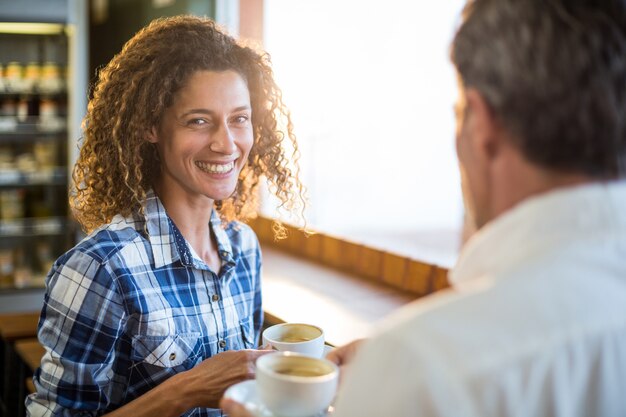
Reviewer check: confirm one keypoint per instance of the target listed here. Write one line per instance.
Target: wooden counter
(31, 352)
(345, 306)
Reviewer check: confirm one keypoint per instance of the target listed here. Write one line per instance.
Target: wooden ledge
(31, 352)
(345, 306)
(16, 326)
(406, 274)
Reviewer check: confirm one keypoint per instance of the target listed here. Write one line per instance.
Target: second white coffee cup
(295, 385)
(305, 339)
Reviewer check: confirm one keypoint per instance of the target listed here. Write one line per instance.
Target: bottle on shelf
(13, 77)
(45, 154)
(51, 80)
(45, 257)
(8, 114)
(23, 273)
(49, 118)
(11, 204)
(2, 82)
(7, 267)
(8, 107)
(32, 75)
(22, 109)
(26, 163)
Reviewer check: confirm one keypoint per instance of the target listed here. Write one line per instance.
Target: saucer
(247, 394)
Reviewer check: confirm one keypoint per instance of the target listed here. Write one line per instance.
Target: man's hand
(343, 355)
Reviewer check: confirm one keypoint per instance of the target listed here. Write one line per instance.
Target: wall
(123, 18)
(49, 11)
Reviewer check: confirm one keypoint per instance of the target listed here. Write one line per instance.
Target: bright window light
(371, 90)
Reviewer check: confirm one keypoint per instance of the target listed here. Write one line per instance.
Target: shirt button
(222, 344)
(172, 356)
(224, 254)
(215, 297)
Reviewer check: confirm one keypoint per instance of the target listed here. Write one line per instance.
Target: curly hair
(117, 165)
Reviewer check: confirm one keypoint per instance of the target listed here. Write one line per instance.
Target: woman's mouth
(212, 168)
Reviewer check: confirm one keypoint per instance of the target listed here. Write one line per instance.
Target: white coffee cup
(295, 385)
(295, 337)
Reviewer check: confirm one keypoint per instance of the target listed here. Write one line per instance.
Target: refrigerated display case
(43, 96)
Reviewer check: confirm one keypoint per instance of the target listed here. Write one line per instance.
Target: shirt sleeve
(392, 378)
(80, 328)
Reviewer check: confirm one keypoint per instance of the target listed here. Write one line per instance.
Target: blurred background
(369, 85)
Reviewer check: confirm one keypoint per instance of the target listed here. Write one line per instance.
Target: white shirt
(535, 324)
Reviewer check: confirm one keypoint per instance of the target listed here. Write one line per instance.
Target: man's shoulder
(503, 320)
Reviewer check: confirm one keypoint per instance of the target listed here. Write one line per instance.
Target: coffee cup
(295, 385)
(295, 337)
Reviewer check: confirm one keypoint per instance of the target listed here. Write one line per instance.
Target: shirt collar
(159, 231)
(541, 223)
(169, 245)
(224, 247)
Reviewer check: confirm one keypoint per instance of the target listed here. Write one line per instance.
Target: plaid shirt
(124, 311)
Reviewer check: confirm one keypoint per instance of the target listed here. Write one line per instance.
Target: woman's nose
(223, 141)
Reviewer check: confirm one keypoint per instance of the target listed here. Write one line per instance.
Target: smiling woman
(203, 142)
(164, 294)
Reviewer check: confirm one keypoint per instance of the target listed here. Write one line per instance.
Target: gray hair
(554, 73)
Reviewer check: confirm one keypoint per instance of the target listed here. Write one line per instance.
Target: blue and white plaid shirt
(124, 311)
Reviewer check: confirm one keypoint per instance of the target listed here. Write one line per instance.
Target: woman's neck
(192, 215)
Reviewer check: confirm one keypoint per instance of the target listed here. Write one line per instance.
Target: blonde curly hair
(117, 165)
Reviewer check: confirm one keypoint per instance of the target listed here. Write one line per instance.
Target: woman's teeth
(216, 168)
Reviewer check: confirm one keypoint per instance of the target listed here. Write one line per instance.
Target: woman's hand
(205, 384)
(341, 356)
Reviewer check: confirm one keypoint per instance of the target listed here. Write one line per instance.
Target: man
(535, 324)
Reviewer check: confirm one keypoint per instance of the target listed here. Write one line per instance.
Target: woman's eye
(197, 122)
(241, 119)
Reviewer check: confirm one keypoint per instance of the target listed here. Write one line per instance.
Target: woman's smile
(216, 168)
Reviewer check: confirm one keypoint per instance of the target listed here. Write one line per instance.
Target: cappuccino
(295, 337)
(300, 371)
(296, 385)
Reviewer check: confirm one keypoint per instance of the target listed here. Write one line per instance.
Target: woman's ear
(152, 136)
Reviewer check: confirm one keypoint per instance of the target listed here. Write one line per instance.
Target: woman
(158, 310)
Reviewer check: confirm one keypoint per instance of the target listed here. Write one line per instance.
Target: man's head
(543, 79)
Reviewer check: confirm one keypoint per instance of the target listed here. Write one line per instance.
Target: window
(371, 91)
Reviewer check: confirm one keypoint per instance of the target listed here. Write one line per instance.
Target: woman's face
(205, 137)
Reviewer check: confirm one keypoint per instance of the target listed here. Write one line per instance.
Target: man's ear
(152, 136)
(484, 125)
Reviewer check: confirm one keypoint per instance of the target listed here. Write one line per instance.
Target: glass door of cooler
(42, 99)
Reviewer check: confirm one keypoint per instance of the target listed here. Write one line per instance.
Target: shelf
(51, 226)
(15, 178)
(12, 128)
(32, 28)
(21, 138)
(38, 85)
(36, 92)
(44, 77)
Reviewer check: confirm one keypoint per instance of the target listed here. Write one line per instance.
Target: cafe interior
(384, 211)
